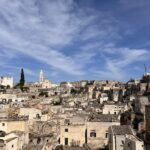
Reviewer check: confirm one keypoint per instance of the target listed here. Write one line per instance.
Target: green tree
(22, 79)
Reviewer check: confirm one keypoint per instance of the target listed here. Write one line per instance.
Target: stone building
(9, 141)
(97, 130)
(117, 136)
(72, 132)
(140, 104)
(114, 108)
(147, 121)
(6, 81)
(15, 123)
(133, 143)
(46, 84)
(33, 113)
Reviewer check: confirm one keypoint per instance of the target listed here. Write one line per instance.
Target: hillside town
(79, 115)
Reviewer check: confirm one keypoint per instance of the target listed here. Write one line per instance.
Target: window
(122, 142)
(59, 140)
(66, 141)
(3, 124)
(66, 130)
(37, 116)
(106, 135)
(128, 144)
(38, 140)
(93, 133)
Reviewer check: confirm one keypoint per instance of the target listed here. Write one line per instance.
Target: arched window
(93, 133)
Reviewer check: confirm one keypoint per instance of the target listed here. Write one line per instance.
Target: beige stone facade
(13, 125)
(100, 138)
(72, 135)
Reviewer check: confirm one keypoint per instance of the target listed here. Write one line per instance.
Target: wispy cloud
(36, 31)
(128, 4)
(116, 67)
(43, 30)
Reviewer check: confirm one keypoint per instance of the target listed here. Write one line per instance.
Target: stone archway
(47, 128)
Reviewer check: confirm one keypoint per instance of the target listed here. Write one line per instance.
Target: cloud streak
(44, 29)
(35, 34)
(116, 67)
(41, 30)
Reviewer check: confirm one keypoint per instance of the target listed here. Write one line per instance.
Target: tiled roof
(73, 148)
(122, 130)
(33, 147)
(104, 118)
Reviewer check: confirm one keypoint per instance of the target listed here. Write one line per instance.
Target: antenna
(145, 68)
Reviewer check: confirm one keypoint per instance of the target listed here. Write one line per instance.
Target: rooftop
(73, 148)
(14, 118)
(122, 130)
(104, 118)
(33, 147)
(133, 138)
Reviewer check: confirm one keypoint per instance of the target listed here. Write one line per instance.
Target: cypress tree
(22, 79)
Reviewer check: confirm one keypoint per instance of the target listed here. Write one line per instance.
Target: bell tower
(41, 76)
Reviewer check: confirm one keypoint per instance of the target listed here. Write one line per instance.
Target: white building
(103, 98)
(11, 98)
(114, 108)
(117, 136)
(6, 81)
(33, 113)
(13, 141)
(41, 76)
(133, 143)
(72, 131)
(97, 130)
(46, 84)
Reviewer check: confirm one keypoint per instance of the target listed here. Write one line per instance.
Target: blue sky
(74, 39)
